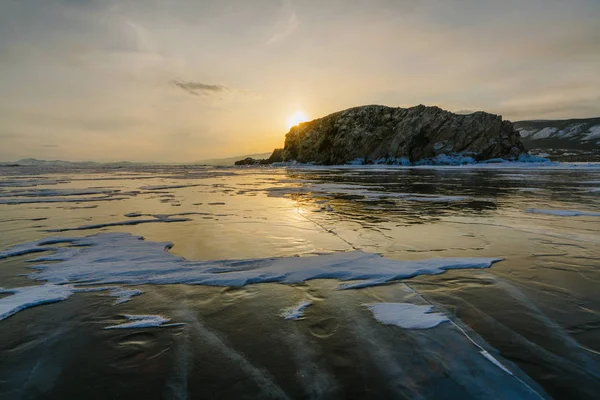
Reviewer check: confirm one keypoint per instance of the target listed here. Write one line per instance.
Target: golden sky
(183, 80)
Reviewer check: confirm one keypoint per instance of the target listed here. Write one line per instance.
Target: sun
(297, 118)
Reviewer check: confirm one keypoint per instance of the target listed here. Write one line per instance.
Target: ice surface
(33, 247)
(120, 223)
(31, 296)
(297, 311)
(563, 213)
(174, 186)
(494, 361)
(440, 198)
(143, 321)
(35, 200)
(111, 258)
(121, 258)
(124, 294)
(370, 192)
(57, 192)
(28, 182)
(407, 315)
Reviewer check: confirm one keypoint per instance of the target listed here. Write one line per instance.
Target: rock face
(379, 132)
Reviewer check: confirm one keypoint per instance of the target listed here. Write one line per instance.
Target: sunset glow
(297, 118)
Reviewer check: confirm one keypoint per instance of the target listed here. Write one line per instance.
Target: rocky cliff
(376, 133)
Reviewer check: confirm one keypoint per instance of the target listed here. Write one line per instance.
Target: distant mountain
(562, 140)
(32, 162)
(578, 134)
(53, 163)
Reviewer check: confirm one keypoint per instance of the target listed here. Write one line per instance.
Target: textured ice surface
(563, 213)
(407, 315)
(31, 296)
(494, 361)
(56, 192)
(120, 223)
(174, 186)
(69, 199)
(33, 247)
(122, 258)
(123, 295)
(143, 321)
(297, 311)
(370, 192)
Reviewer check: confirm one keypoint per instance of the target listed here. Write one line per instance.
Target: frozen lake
(309, 282)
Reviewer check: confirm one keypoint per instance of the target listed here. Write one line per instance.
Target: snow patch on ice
(143, 321)
(31, 296)
(297, 311)
(123, 295)
(494, 361)
(111, 258)
(120, 258)
(563, 213)
(407, 315)
(33, 247)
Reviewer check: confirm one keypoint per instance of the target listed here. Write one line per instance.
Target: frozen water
(123, 258)
(407, 315)
(31, 296)
(121, 223)
(563, 213)
(69, 199)
(123, 295)
(297, 311)
(143, 321)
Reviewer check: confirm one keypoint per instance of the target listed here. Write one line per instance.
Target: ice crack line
(326, 229)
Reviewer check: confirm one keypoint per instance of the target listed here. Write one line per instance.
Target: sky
(186, 80)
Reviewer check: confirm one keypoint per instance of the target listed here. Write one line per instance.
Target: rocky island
(394, 135)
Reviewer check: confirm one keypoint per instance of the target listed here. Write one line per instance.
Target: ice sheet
(123, 295)
(31, 296)
(407, 315)
(563, 213)
(121, 258)
(143, 321)
(35, 200)
(297, 311)
(111, 258)
(120, 223)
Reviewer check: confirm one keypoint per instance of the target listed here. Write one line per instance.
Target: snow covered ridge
(583, 134)
(583, 130)
(121, 258)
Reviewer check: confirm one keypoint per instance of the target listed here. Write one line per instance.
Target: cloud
(286, 25)
(199, 88)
